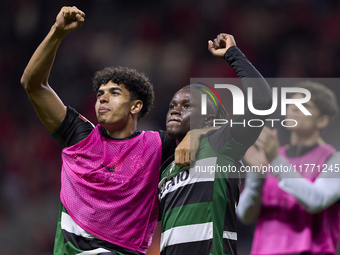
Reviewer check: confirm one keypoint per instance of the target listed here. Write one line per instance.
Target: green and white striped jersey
(71, 239)
(198, 203)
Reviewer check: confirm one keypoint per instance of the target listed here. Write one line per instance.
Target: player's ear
(208, 120)
(323, 122)
(136, 106)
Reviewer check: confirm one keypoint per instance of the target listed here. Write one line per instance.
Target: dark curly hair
(136, 83)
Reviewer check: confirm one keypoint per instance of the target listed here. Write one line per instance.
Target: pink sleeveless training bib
(284, 226)
(109, 187)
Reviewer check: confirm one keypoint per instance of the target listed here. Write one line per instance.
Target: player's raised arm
(46, 102)
(224, 46)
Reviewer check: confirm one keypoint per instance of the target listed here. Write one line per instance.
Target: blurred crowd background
(167, 40)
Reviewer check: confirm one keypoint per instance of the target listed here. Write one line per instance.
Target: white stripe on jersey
(177, 235)
(230, 235)
(93, 252)
(68, 224)
(198, 232)
(194, 174)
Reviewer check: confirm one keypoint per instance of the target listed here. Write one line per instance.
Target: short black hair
(322, 97)
(136, 83)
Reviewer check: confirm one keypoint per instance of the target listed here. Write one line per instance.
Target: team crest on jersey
(171, 168)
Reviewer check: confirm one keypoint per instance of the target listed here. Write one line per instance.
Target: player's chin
(173, 126)
(102, 121)
(174, 132)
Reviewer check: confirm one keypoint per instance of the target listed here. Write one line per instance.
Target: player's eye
(307, 105)
(187, 106)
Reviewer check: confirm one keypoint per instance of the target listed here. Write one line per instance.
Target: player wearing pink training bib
(297, 212)
(110, 173)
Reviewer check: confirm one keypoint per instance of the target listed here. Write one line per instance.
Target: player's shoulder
(73, 115)
(74, 128)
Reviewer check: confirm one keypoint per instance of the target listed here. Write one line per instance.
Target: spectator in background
(295, 212)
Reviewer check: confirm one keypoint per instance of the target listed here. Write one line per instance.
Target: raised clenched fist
(221, 44)
(69, 19)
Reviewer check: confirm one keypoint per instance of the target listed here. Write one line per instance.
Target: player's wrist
(58, 32)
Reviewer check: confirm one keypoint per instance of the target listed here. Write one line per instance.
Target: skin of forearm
(188, 147)
(39, 67)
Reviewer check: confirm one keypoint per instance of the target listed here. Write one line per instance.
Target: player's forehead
(113, 86)
(310, 103)
(187, 94)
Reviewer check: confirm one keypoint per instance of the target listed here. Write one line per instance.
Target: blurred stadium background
(167, 40)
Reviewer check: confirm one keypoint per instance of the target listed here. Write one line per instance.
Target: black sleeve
(262, 100)
(168, 145)
(73, 129)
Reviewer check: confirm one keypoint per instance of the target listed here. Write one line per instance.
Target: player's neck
(179, 139)
(299, 140)
(123, 130)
